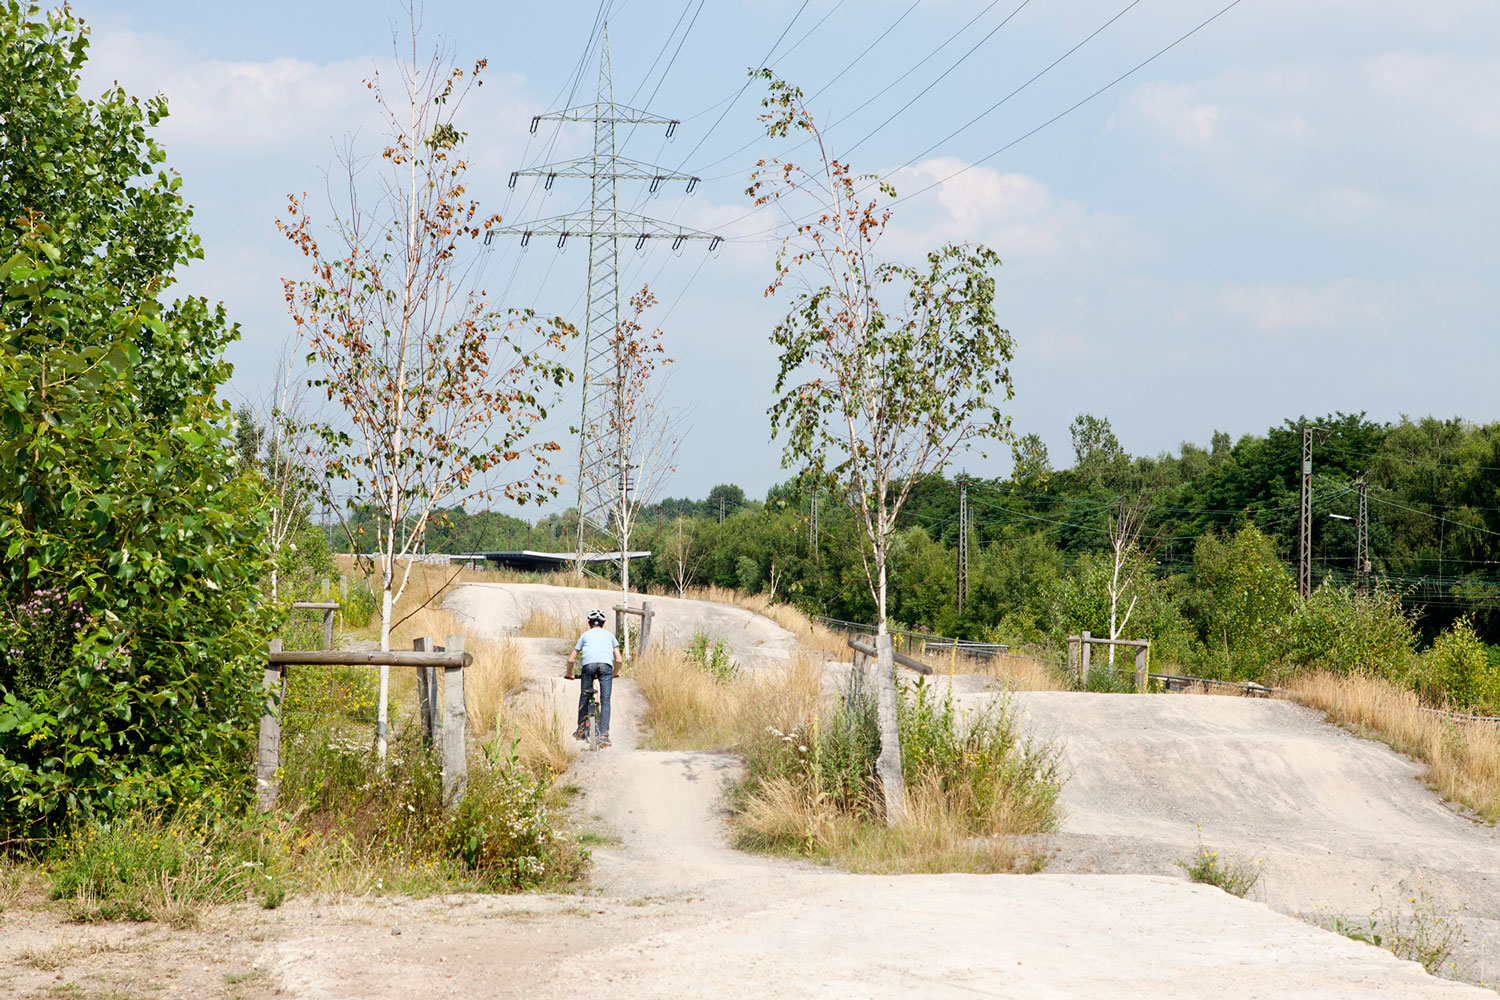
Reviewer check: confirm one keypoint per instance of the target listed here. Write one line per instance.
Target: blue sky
(1293, 211)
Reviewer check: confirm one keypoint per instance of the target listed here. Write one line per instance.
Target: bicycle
(591, 737)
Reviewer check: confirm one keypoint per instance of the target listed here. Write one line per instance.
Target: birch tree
(438, 386)
(1126, 562)
(638, 433)
(886, 370)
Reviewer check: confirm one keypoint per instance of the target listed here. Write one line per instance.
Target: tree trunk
(382, 716)
(888, 765)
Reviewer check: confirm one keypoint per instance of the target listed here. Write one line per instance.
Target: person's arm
(619, 662)
(572, 659)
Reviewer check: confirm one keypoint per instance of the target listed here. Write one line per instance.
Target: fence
(916, 643)
(450, 723)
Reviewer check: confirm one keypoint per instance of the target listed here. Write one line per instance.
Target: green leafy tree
(125, 516)
(886, 370)
(1243, 598)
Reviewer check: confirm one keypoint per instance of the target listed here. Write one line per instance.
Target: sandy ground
(673, 911)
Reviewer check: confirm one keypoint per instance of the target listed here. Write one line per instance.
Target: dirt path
(675, 912)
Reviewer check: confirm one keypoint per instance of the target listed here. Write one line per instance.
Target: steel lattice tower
(962, 589)
(604, 226)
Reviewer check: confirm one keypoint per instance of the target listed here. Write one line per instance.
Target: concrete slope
(1345, 825)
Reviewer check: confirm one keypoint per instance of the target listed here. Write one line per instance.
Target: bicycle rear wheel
(592, 733)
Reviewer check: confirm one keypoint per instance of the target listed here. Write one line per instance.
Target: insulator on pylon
(640, 241)
(713, 244)
(672, 127)
(513, 175)
(562, 238)
(655, 183)
(692, 183)
(535, 121)
(525, 238)
(677, 241)
(489, 236)
(550, 179)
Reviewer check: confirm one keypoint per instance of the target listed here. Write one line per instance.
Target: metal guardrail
(920, 642)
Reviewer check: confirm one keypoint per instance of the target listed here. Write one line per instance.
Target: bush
(123, 495)
(1343, 631)
(1458, 669)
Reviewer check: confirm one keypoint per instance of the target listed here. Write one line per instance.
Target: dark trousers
(605, 673)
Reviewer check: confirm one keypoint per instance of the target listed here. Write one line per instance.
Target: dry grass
(1025, 673)
(494, 675)
(934, 838)
(1463, 758)
(541, 625)
(58, 956)
(532, 727)
(687, 709)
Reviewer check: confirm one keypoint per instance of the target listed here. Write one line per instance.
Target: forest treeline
(1217, 518)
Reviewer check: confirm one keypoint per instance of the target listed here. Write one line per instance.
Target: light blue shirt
(597, 645)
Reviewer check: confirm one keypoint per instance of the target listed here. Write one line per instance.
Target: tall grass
(543, 625)
(530, 728)
(811, 636)
(973, 782)
(494, 675)
(688, 707)
(1463, 757)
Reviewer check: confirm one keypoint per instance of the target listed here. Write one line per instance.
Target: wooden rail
(645, 614)
(446, 727)
(329, 608)
(866, 649)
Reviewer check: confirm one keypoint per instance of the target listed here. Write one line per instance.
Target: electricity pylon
(962, 590)
(604, 226)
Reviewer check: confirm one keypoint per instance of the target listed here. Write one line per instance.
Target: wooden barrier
(328, 608)
(645, 614)
(865, 649)
(451, 719)
(1085, 641)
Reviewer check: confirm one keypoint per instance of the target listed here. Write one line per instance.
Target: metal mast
(963, 542)
(1362, 539)
(1304, 518)
(606, 472)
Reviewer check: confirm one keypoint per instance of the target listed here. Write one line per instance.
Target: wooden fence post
(427, 696)
(268, 753)
(888, 764)
(1142, 667)
(645, 640)
(328, 623)
(1084, 646)
(455, 729)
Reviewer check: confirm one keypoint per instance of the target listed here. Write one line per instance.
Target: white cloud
(1016, 215)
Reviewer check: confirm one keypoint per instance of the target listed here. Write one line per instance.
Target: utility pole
(812, 523)
(1304, 518)
(963, 541)
(604, 227)
(1362, 539)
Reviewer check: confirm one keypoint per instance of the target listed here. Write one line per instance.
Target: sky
(1291, 211)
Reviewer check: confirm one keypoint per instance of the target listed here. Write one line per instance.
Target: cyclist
(600, 653)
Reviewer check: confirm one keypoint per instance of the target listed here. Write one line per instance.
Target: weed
(1235, 877)
(1415, 929)
(713, 657)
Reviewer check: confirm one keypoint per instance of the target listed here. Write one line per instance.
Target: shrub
(1343, 631)
(1458, 669)
(122, 491)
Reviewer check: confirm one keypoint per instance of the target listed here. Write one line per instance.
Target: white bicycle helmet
(596, 617)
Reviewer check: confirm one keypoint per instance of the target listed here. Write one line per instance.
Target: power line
(944, 74)
(1014, 142)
